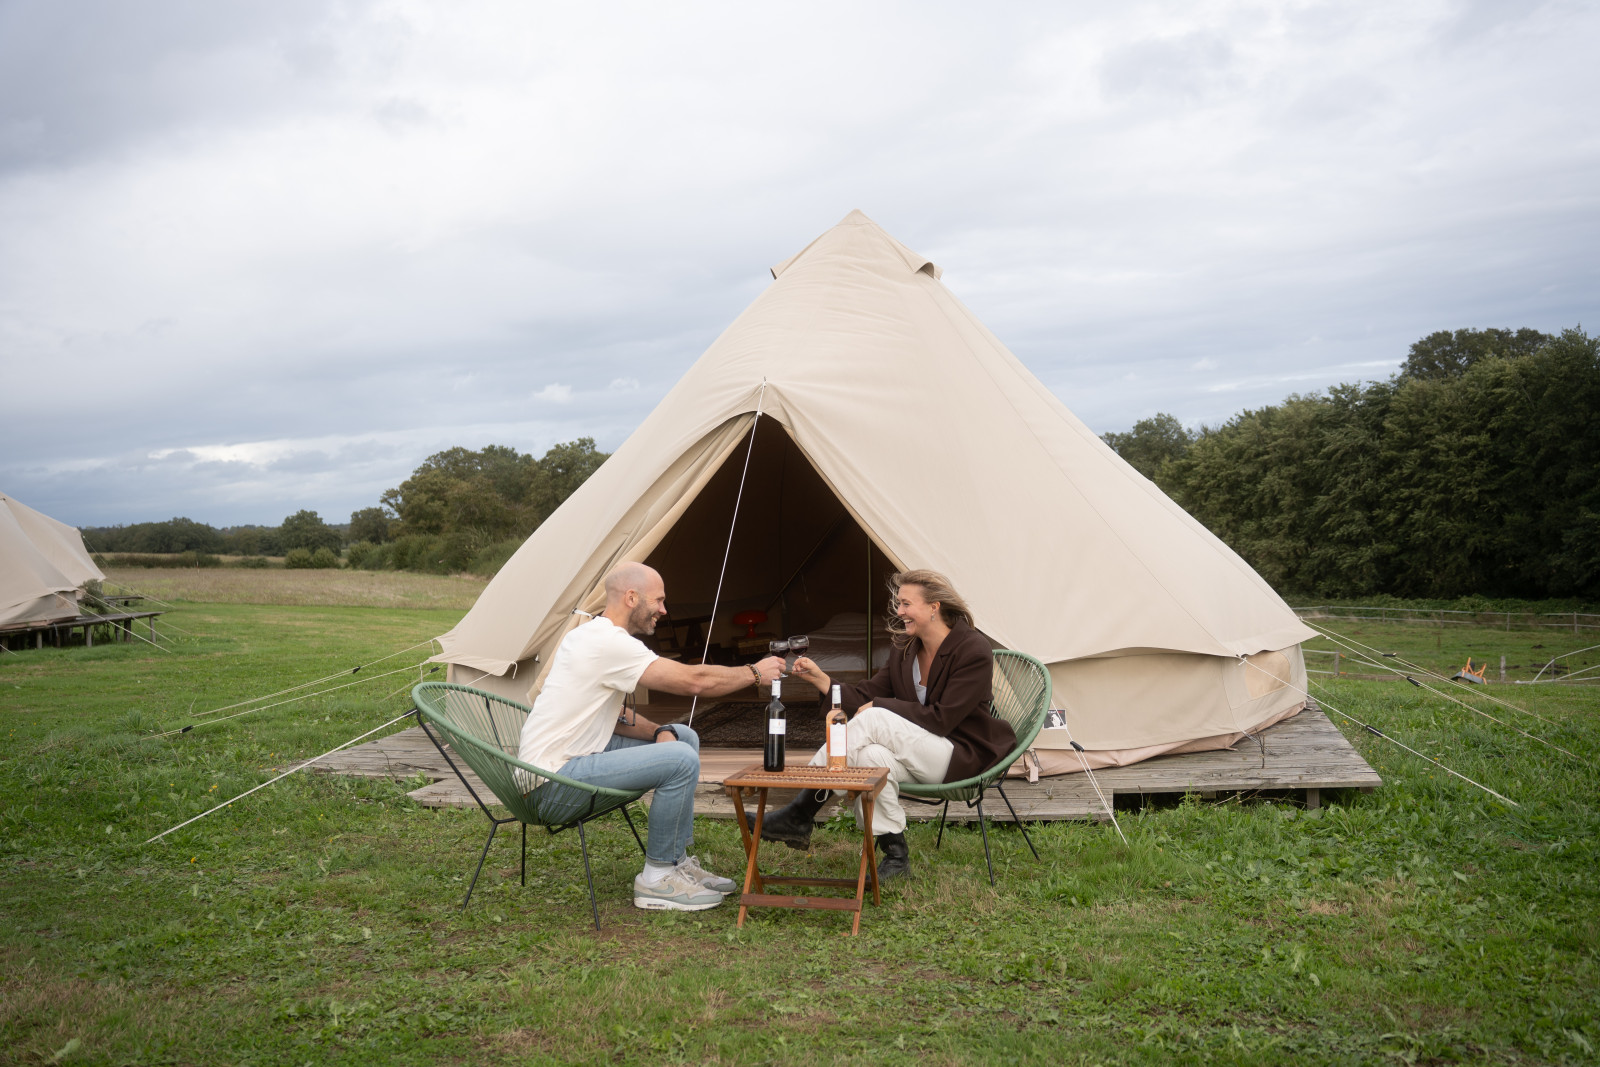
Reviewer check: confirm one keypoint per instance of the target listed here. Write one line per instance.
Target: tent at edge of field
(43, 566)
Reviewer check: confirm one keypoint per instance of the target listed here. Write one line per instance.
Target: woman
(925, 715)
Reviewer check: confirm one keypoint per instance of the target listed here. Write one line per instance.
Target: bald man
(580, 728)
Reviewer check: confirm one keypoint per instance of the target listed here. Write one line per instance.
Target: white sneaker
(714, 882)
(675, 892)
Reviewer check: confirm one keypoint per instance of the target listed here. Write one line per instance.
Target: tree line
(1473, 471)
(469, 510)
(461, 510)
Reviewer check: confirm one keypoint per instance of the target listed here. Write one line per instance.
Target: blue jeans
(671, 768)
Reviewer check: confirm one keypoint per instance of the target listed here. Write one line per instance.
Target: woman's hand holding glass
(807, 668)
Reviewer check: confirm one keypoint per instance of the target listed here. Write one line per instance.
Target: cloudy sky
(259, 256)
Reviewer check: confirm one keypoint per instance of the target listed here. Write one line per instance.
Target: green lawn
(1444, 649)
(317, 921)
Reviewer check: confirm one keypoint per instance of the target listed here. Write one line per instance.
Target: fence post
(1502, 668)
(1336, 658)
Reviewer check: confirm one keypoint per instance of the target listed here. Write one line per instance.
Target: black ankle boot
(896, 862)
(792, 824)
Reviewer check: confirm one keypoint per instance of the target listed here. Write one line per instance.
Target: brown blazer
(960, 689)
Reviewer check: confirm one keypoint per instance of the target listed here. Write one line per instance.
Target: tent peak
(856, 222)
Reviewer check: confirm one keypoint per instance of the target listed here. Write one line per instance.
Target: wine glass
(799, 645)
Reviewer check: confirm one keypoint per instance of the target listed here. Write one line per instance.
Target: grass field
(317, 921)
(1444, 650)
(346, 588)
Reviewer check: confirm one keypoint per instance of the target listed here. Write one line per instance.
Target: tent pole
(869, 607)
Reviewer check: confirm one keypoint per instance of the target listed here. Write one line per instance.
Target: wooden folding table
(864, 783)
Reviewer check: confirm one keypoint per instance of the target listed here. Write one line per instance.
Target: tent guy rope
(285, 774)
(130, 630)
(1375, 731)
(294, 700)
(160, 628)
(1456, 700)
(733, 525)
(318, 681)
(1376, 654)
(1110, 810)
(1563, 655)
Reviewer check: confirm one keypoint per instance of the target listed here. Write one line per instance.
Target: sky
(271, 254)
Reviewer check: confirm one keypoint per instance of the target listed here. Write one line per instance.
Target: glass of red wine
(798, 645)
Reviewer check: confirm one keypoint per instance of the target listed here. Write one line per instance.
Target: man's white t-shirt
(576, 712)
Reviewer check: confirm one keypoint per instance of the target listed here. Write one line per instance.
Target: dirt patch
(1326, 907)
(523, 1041)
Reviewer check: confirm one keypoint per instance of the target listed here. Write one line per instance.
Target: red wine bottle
(777, 727)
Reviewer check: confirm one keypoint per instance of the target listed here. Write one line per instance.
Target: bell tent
(863, 421)
(43, 566)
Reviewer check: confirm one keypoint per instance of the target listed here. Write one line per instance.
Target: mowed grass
(318, 921)
(349, 588)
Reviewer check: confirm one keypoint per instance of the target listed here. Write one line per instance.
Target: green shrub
(92, 602)
(254, 562)
(298, 559)
(489, 561)
(357, 555)
(324, 559)
(419, 552)
(422, 553)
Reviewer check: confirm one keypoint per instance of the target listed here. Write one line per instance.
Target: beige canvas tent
(43, 566)
(896, 431)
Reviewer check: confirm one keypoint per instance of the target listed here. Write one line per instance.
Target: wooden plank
(1307, 752)
(449, 793)
(772, 900)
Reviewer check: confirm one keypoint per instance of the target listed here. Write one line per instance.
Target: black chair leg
(493, 826)
(594, 908)
(983, 828)
(524, 855)
(635, 830)
(940, 839)
(1002, 791)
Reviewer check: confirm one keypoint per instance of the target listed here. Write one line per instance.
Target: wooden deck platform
(60, 630)
(1306, 754)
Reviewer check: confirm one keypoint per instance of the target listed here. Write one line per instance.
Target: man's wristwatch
(664, 730)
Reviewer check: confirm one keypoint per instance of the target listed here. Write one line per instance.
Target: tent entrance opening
(799, 564)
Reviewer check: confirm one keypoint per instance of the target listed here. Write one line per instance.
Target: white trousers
(878, 737)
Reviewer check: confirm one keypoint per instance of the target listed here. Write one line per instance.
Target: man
(580, 728)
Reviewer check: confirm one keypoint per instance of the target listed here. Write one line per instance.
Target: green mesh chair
(485, 730)
(1021, 698)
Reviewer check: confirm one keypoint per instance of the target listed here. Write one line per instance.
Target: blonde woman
(925, 715)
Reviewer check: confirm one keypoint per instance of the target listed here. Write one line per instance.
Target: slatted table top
(852, 779)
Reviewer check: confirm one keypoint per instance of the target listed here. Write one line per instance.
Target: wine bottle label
(836, 739)
(777, 726)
